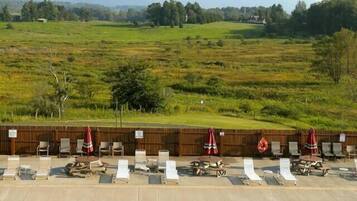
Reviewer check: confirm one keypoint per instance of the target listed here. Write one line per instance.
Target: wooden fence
(180, 142)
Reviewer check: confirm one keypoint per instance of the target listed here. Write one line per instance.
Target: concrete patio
(338, 185)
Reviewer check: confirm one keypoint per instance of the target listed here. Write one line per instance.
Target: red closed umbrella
(88, 144)
(311, 143)
(211, 146)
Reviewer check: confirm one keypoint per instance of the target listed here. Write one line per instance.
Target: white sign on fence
(139, 134)
(221, 133)
(342, 137)
(12, 133)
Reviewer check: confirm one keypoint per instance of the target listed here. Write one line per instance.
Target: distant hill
(127, 7)
(16, 5)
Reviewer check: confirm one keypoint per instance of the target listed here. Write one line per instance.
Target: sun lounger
(171, 174)
(79, 146)
(249, 173)
(140, 160)
(13, 163)
(326, 150)
(123, 172)
(164, 155)
(285, 173)
(44, 168)
(293, 149)
(337, 150)
(65, 146)
(275, 149)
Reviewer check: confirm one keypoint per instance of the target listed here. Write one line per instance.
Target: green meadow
(265, 82)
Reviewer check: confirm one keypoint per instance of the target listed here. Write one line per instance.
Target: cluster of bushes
(296, 41)
(281, 110)
(218, 89)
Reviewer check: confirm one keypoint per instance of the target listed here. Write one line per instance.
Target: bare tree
(61, 84)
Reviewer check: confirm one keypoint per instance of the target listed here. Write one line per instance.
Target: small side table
(267, 172)
(343, 171)
(25, 172)
(152, 164)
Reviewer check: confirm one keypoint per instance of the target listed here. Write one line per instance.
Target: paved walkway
(59, 187)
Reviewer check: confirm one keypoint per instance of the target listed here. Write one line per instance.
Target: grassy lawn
(256, 73)
(79, 32)
(205, 120)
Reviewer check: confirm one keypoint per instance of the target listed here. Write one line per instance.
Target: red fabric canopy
(88, 144)
(211, 146)
(311, 143)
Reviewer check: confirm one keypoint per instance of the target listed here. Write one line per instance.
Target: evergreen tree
(181, 13)
(6, 16)
(154, 13)
(29, 11)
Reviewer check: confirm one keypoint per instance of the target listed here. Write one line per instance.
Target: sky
(288, 5)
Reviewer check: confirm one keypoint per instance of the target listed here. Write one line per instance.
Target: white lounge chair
(285, 173)
(44, 168)
(13, 163)
(249, 172)
(337, 150)
(65, 147)
(275, 149)
(104, 147)
(140, 160)
(123, 172)
(326, 150)
(117, 147)
(164, 155)
(44, 146)
(171, 174)
(293, 149)
(79, 146)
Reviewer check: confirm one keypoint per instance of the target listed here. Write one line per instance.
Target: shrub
(43, 106)
(245, 107)
(228, 110)
(280, 110)
(220, 43)
(210, 44)
(192, 78)
(215, 81)
(9, 26)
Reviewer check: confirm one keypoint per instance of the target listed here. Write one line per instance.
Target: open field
(256, 73)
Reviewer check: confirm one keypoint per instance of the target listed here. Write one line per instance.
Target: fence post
(301, 139)
(55, 139)
(180, 142)
(221, 143)
(97, 139)
(13, 146)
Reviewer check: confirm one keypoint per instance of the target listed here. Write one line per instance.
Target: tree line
(32, 10)
(322, 18)
(174, 13)
(170, 13)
